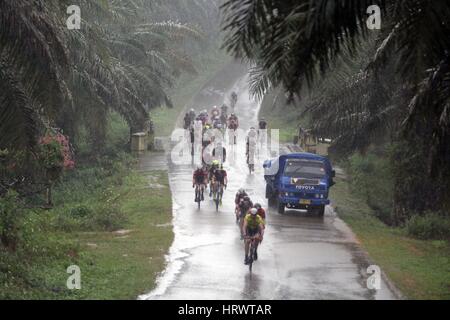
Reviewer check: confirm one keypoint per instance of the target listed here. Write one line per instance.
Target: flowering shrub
(56, 152)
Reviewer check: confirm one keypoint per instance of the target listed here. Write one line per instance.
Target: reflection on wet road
(302, 256)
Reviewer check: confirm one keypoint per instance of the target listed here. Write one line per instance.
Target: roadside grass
(419, 268)
(129, 232)
(123, 265)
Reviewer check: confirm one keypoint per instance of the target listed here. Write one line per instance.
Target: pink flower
(66, 151)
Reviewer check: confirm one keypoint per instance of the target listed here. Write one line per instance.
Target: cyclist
(192, 115)
(206, 140)
(220, 153)
(260, 211)
(217, 124)
(234, 98)
(224, 110)
(212, 174)
(203, 116)
(233, 121)
(215, 113)
(251, 146)
(240, 195)
(223, 120)
(253, 227)
(262, 132)
(200, 178)
(262, 124)
(244, 206)
(233, 125)
(221, 177)
(187, 121)
(237, 200)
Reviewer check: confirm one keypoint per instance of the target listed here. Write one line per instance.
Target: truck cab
(299, 181)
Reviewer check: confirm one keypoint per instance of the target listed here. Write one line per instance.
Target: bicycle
(252, 251)
(217, 194)
(198, 195)
(251, 164)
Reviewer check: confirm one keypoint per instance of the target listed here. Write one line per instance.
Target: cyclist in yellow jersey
(253, 227)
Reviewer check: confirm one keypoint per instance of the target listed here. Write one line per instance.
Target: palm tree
(109, 64)
(32, 76)
(293, 42)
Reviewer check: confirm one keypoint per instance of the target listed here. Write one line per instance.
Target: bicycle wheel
(198, 196)
(217, 200)
(252, 254)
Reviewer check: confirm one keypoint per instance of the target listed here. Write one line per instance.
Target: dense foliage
(364, 86)
(61, 88)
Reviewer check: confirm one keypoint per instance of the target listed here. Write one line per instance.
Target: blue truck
(299, 181)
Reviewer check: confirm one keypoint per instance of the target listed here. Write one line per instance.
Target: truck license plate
(303, 201)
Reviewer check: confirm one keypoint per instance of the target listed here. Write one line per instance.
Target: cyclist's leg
(241, 224)
(202, 190)
(210, 188)
(246, 249)
(256, 244)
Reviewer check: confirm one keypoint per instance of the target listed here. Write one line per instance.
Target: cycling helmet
(253, 211)
(257, 206)
(241, 190)
(215, 162)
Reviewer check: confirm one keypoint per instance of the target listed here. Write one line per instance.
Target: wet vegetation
(383, 93)
(69, 99)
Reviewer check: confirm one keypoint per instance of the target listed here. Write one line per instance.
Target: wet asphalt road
(302, 256)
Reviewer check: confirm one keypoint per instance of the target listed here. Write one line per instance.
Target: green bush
(80, 211)
(371, 177)
(11, 215)
(107, 217)
(429, 226)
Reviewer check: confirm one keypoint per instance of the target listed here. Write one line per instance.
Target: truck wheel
(272, 202)
(268, 192)
(321, 211)
(281, 208)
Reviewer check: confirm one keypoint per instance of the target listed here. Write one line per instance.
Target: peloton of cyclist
(253, 227)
